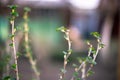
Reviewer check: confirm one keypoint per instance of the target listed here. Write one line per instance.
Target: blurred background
(81, 17)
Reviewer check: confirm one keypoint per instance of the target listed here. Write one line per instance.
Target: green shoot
(66, 53)
(13, 15)
(26, 37)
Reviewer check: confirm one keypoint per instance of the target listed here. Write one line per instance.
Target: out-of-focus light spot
(51, 0)
(41, 3)
(85, 4)
(45, 0)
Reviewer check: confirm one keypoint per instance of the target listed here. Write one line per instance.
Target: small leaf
(89, 73)
(88, 42)
(102, 45)
(63, 70)
(11, 36)
(95, 34)
(11, 44)
(13, 66)
(18, 54)
(14, 29)
(93, 50)
(75, 65)
(70, 51)
(81, 59)
(93, 62)
(78, 79)
(7, 78)
(62, 29)
(27, 9)
(18, 28)
(15, 14)
(68, 60)
(13, 78)
(89, 59)
(64, 52)
(75, 74)
(13, 6)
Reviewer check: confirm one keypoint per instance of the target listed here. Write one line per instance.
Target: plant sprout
(27, 47)
(14, 14)
(86, 63)
(66, 53)
(90, 59)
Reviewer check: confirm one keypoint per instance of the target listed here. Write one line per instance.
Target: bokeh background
(81, 17)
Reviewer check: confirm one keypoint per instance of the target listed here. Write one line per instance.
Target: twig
(90, 59)
(83, 64)
(95, 55)
(26, 37)
(14, 14)
(66, 54)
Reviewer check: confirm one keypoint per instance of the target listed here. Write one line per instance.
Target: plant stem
(83, 65)
(83, 71)
(69, 48)
(14, 50)
(98, 48)
(66, 56)
(94, 57)
(26, 37)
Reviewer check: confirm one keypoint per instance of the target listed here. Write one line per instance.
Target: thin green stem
(83, 64)
(26, 37)
(14, 50)
(66, 56)
(94, 57)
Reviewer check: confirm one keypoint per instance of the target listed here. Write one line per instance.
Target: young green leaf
(89, 73)
(75, 74)
(93, 50)
(70, 51)
(13, 6)
(78, 79)
(64, 52)
(27, 9)
(18, 54)
(11, 44)
(14, 14)
(81, 59)
(62, 29)
(89, 59)
(75, 65)
(7, 78)
(102, 45)
(93, 62)
(13, 66)
(95, 34)
(63, 70)
(11, 36)
(88, 42)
